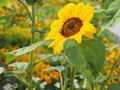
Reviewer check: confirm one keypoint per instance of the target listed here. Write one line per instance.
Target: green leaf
(19, 65)
(108, 2)
(28, 48)
(55, 59)
(114, 6)
(9, 58)
(114, 87)
(95, 53)
(1, 70)
(112, 21)
(89, 55)
(100, 79)
(112, 15)
(3, 2)
(75, 54)
(88, 74)
(57, 68)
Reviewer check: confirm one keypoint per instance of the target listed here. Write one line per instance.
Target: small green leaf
(28, 48)
(1, 70)
(112, 15)
(9, 58)
(19, 65)
(114, 6)
(100, 79)
(57, 68)
(111, 22)
(114, 87)
(54, 59)
(11, 73)
(108, 2)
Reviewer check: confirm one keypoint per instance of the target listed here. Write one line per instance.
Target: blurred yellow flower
(74, 22)
(1, 29)
(3, 12)
(110, 60)
(4, 51)
(13, 4)
(22, 32)
(39, 69)
(11, 68)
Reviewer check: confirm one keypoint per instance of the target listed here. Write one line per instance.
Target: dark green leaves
(90, 54)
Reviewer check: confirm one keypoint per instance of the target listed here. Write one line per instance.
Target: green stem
(31, 61)
(73, 73)
(26, 9)
(65, 79)
(72, 78)
(61, 80)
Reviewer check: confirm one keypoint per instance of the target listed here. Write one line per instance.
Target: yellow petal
(88, 35)
(78, 9)
(88, 27)
(59, 46)
(56, 41)
(87, 12)
(53, 35)
(77, 37)
(66, 12)
(56, 25)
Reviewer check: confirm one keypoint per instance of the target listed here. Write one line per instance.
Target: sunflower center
(71, 27)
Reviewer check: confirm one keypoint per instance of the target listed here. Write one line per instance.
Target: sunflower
(73, 22)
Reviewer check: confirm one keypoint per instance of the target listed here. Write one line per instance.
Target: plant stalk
(31, 61)
(26, 9)
(72, 78)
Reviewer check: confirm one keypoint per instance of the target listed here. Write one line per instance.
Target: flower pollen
(71, 27)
